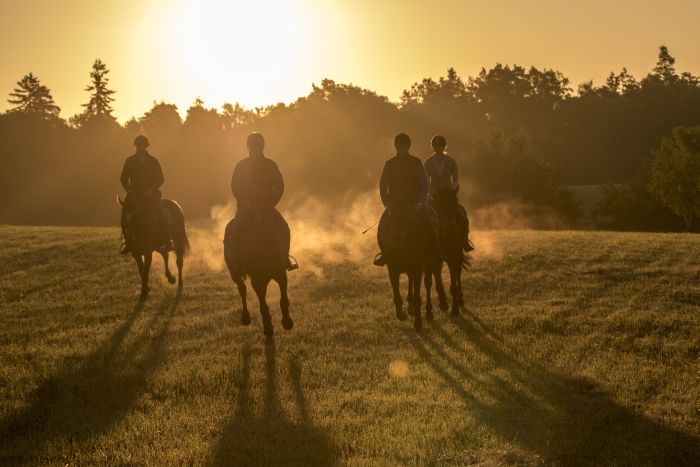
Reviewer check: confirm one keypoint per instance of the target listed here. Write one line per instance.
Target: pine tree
(33, 98)
(664, 68)
(100, 104)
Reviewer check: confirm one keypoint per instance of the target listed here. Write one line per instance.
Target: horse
(262, 257)
(406, 250)
(451, 244)
(141, 240)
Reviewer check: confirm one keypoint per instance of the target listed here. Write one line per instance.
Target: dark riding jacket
(403, 177)
(141, 172)
(257, 183)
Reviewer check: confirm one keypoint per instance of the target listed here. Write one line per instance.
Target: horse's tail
(466, 260)
(182, 243)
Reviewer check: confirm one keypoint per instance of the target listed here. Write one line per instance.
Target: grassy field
(575, 348)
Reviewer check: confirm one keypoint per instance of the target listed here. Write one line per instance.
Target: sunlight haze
(268, 51)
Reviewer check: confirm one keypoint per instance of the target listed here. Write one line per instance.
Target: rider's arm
(278, 185)
(384, 187)
(455, 173)
(235, 184)
(124, 179)
(158, 178)
(423, 184)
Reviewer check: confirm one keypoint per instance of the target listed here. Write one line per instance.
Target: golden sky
(260, 52)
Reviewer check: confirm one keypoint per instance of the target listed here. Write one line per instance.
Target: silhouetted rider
(142, 178)
(404, 180)
(258, 186)
(444, 184)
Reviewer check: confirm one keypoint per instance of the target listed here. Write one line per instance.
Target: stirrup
(379, 260)
(292, 263)
(469, 246)
(123, 249)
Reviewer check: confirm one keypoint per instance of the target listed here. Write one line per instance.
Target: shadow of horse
(270, 438)
(561, 419)
(75, 406)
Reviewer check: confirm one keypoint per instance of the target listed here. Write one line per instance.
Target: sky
(260, 52)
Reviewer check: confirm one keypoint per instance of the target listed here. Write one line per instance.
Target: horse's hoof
(418, 325)
(268, 329)
(455, 310)
(444, 306)
(410, 310)
(429, 316)
(401, 315)
(245, 318)
(287, 323)
(171, 280)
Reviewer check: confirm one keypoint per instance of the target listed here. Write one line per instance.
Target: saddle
(253, 235)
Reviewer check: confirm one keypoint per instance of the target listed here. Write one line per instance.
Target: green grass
(575, 348)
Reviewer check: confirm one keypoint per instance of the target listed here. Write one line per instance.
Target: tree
(235, 116)
(664, 68)
(161, 120)
(447, 88)
(33, 98)
(100, 103)
(675, 175)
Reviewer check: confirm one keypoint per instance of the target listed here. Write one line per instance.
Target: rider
(258, 186)
(404, 178)
(142, 177)
(444, 183)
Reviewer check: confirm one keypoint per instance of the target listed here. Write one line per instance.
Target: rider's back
(142, 172)
(442, 173)
(257, 181)
(403, 178)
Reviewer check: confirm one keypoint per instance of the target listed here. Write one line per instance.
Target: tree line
(519, 134)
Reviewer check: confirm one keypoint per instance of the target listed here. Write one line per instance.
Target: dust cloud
(324, 233)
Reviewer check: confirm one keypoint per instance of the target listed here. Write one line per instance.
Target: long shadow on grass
(270, 438)
(561, 419)
(72, 408)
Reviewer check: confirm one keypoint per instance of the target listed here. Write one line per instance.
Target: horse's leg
(409, 296)
(243, 292)
(147, 260)
(180, 261)
(440, 288)
(428, 281)
(416, 277)
(144, 285)
(456, 286)
(260, 287)
(168, 274)
(287, 322)
(398, 302)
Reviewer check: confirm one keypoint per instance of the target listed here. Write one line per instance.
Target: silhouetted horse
(405, 248)
(142, 240)
(451, 243)
(261, 256)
